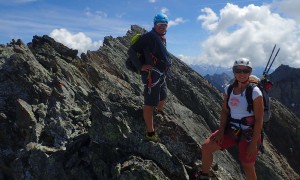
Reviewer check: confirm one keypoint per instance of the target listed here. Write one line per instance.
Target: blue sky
(200, 31)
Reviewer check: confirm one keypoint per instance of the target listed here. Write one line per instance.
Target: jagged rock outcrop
(65, 117)
(286, 87)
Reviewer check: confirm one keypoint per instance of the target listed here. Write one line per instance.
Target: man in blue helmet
(152, 46)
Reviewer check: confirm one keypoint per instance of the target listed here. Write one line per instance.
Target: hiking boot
(199, 175)
(152, 136)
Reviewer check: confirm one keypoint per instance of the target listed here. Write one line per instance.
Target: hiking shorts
(228, 142)
(156, 93)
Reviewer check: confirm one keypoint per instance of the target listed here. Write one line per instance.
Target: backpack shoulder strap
(160, 44)
(135, 38)
(229, 90)
(249, 91)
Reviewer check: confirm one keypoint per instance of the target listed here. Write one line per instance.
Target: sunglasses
(162, 24)
(245, 71)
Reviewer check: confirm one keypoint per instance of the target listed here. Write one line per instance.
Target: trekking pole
(269, 61)
(269, 65)
(273, 60)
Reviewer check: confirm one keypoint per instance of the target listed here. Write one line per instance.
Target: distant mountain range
(212, 70)
(219, 80)
(220, 76)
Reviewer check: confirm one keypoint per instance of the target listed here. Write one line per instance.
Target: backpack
(128, 63)
(135, 38)
(263, 85)
(158, 43)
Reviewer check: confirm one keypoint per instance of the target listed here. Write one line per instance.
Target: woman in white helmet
(238, 126)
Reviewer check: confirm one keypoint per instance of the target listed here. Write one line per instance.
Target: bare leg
(160, 105)
(249, 170)
(148, 117)
(208, 148)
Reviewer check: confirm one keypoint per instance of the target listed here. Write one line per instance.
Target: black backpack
(263, 86)
(128, 63)
(157, 44)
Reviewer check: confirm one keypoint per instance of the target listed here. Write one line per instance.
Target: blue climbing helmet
(160, 17)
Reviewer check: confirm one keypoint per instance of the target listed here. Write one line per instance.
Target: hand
(218, 137)
(146, 67)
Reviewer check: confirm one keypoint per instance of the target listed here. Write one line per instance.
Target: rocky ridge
(286, 87)
(65, 117)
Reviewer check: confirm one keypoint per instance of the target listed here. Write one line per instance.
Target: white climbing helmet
(242, 62)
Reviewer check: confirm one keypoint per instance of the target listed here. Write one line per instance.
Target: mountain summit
(65, 117)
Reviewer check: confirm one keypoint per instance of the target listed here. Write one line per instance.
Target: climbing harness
(150, 84)
(237, 132)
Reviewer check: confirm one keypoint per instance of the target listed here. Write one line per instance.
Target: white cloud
(187, 59)
(289, 7)
(152, 1)
(209, 19)
(176, 21)
(250, 31)
(77, 41)
(165, 10)
(101, 14)
(96, 14)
